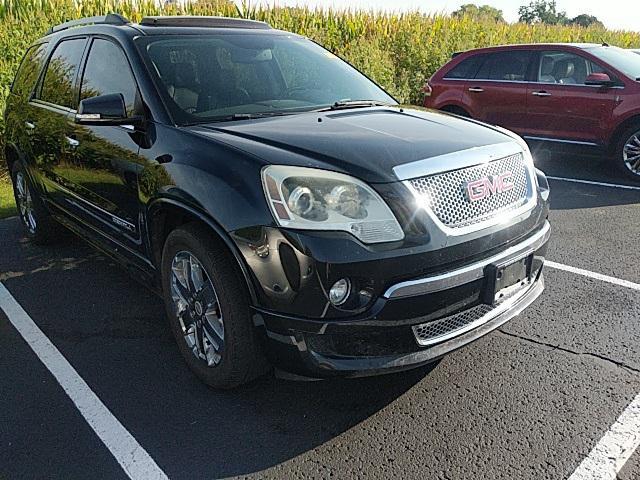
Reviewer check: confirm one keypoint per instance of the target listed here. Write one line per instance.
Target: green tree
(480, 13)
(543, 11)
(585, 20)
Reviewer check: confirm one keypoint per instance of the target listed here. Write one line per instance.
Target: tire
(629, 143)
(37, 222)
(215, 334)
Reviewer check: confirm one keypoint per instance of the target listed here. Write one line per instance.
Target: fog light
(340, 291)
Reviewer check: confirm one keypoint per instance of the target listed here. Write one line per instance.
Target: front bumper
(412, 323)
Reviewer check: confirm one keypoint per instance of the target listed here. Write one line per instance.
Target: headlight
(312, 199)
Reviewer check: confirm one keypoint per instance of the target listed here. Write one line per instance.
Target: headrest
(564, 69)
(547, 66)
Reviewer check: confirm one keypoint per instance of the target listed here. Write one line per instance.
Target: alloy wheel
(197, 308)
(25, 203)
(631, 153)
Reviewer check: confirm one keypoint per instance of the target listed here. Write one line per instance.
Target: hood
(367, 142)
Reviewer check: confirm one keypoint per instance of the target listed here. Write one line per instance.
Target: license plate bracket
(508, 278)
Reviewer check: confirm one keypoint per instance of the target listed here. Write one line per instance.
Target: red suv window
(505, 66)
(466, 69)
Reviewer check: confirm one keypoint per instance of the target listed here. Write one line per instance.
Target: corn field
(399, 51)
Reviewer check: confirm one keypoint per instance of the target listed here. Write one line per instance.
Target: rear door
(49, 114)
(449, 90)
(498, 93)
(561, 107)
(20, 119)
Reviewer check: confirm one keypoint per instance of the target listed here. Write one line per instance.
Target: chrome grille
(429, 333)
(445, 195)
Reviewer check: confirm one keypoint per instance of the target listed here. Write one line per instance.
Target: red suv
(581, 94)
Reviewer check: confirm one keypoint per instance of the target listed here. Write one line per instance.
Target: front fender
(157, 212)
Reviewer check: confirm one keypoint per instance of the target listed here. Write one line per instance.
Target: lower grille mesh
(428, 333)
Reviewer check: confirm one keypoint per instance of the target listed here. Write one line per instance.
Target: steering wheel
(244, 94)
(290, 91)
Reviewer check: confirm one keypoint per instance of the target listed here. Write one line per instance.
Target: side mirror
(107, 109)
(599, 80)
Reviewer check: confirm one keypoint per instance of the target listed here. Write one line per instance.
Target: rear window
(466, 69)
(29, 69)
(505, 66)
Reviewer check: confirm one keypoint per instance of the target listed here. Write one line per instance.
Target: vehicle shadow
(114, 333)
(569, 195)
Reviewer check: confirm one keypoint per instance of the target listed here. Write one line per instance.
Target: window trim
(36, 96)
(535, 59)
(620, 85)
(477, 57)
(85, 59)
(527, 70)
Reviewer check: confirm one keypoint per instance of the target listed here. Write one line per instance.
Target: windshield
(624, 60)
(215, 77)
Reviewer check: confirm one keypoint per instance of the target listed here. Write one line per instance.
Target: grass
(7, 202)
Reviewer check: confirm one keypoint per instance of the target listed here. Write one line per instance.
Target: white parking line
(597, 276)
(614, 449)
(133, 459)
(591, 182)
(622, 439)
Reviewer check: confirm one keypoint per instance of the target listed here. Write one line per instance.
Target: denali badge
(488, 186)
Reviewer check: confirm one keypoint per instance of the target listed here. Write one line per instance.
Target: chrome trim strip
(456, 160)
(52, 106)
(557, 140)
(116, 218)
(471, 272)
(484, 80)
(496, 312)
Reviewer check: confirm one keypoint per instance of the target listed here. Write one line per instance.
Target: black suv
(290, 212)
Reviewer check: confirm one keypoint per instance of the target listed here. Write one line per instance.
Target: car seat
(564, 71)
(546, 70)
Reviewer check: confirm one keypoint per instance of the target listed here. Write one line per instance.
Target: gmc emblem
(485, 187)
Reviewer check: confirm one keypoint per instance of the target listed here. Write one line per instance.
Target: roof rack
(203, 21)
(108, 19)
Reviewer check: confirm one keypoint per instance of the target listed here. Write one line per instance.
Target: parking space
(529, 401)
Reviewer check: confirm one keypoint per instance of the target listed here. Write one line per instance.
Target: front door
(561, 107)
(105, 172)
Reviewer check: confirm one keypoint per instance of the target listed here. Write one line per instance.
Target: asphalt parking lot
(529, 401)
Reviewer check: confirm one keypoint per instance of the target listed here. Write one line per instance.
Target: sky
(615, 14)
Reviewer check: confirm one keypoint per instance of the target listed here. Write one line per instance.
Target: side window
(57, 87)
(565, 68)
(29, 69)
(107, 71)
(465, 69)
(505, 66)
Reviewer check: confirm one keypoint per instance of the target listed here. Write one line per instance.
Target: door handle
(476, 89)
(72, 142)
(541, 94)
(29, 125)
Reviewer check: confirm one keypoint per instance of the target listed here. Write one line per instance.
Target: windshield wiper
(346, 104)
(245, 116)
